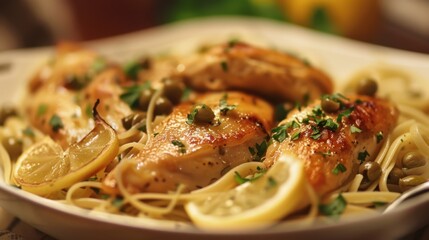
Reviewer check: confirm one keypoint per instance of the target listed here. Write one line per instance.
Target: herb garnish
(280, 133)
(41, 110)
(180, 145)
(28, 132)
(379, 136)
(345, 113)
(280, 112)
(56, 123)
(224, 66)
(335, 208)
(132, 94)
(259, 151)
(362, 156)
(132, 69)
(223, 105)
(354, 129)
(240, 180)
(339, 168)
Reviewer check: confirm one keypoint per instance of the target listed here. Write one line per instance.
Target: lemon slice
(45, 168)
(279, 192)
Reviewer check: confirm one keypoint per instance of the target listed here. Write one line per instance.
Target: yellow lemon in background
(351, 18)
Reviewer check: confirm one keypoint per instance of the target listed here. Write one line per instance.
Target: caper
(395, 175)
(173, 90)
(408, 182)
(133, 119)
(13, 147)
(204, 115)
(144, 99)
(6, 112)
(413, 160)
(371, 171)
(163, 106)
(329, 105)
(367, 86)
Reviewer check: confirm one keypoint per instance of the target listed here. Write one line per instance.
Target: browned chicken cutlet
(64, 90)
(267, 73)
(333, 144)
(197, 154)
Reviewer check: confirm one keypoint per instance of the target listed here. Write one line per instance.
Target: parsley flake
(379, 136)
(335, 208)
(224, 66)
(56, 123)
(41, 110)
(240, 180)
(28, 132)
(223, 105)
(132, 94)
(295, 136)
(180, 145)
(339, 168)
(345, 113)
(354, 129)
(363, 155)
(259, 151)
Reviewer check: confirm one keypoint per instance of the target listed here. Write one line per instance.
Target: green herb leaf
(354, 129)
(295, 136)
(96, 67)
(224, 66)
(132, 94)
(339, 168)
(271, 182)
(363, 155)
(258, 153)
(118, 202)
(335, 208)
(379, 136)
(56, 123)
(331, 125)
(345, 113)
(180, 145)
(280, 112)
(186, 93)
(223, 105)
(280, 133)
(132, 69)
(240, 180)
(316, 133)
(191, 116)
(41, 110)
(28, 132)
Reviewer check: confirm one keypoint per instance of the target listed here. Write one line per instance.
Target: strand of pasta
(354, 186)
(5, 164)
(150, 112)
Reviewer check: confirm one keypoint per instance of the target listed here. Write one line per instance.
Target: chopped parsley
(41, 110)
(191, 116)
(280, 112)
(97, 66)
(316, 133)
(240, 180)
(326, 154)
(379, 136)
(330, 124)
(224, 66)
(118, 202)
(295, 136)
(335, 208)
(56, 123)
(345, 113)
(271, 182)
(339, 168)
(362, 156)
(132, 69)
(354, 129)
(186, 93)
(28, 132)
(180, 145)
(132, 94)
(259, 151)
(223, 105)
(280, 133)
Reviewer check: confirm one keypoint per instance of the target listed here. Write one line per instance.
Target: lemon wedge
(45, 167)
(279, 192)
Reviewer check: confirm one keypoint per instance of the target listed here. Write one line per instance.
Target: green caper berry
(371, 171)
(329, 105)
(163, 106)
(395, 175)
(5, 113)
(204, 115)
(133, 119)
(13, 147)
(173, 90)
(367, 86)
(144, 99)
(411, 181)
(413, 160)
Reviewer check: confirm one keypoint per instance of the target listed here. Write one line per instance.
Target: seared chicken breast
(333, 140)
(193, 153)
(238, 66)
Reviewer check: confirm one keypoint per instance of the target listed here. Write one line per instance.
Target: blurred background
(393, 23)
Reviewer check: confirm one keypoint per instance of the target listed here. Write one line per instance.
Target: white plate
(337, 56)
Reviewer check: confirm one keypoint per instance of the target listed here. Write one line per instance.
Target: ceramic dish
(339, 57)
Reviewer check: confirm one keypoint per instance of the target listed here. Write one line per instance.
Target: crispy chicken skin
(323, 149)
(267, 73)
(67, 87)
(208, 150)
